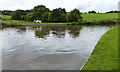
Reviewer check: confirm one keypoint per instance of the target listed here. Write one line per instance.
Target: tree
(74, 16)
(58, 15)
(16, 15)
(45, 17)
(29, 11)
(39, 10)
(91, 12)
(6, 12)
(113, 11)
(29, 17)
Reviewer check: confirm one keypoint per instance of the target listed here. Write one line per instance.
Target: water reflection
(48, 47)
(42, 32)
(59, 31)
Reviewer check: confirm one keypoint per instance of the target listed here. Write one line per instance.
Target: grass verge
(105, 54)
(17, 22)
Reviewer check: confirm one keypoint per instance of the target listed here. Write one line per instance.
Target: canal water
(48, 47)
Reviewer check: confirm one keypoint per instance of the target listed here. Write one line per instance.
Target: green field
(100, 16)
(105, 54)
(5, 17)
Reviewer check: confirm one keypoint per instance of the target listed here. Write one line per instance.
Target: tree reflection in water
(74, 31)
(44, 31)
(58, 31)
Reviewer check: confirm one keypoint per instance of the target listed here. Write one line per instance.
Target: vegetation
(16, 15)
(5, 17)
(108, 19)
(113, 11)
(101, 22)
(91, 12)
(105, 54)
(6, 12)
(58, 15)
(18, 22)
(45, 17)
(40, 12)
(99, 16)
(74, 16)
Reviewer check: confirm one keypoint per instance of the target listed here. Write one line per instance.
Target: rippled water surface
(48, 47)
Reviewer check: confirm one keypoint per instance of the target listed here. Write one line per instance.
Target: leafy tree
(23, 17)
(58, 15)
(16, 15)
(74, 16)
(45, 17)
(29, 11)
(39, 10)
(29, 17)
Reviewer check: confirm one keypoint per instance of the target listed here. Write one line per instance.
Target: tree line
(44, 14)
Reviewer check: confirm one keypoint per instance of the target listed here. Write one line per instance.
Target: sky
(82, 5)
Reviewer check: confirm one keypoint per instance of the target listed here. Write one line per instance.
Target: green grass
(5, 17)
(105, 54)
(100, 16)
(18, 22)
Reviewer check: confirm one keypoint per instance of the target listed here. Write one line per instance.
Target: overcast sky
(82, 5)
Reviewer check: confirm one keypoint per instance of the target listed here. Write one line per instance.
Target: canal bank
(105, 54)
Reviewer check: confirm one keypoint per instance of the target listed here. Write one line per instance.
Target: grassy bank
(18, 22)
(105, 54)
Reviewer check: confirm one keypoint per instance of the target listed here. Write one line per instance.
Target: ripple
(66, 51)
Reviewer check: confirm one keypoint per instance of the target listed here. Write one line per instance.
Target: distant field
(100, 16)
(5, 17)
